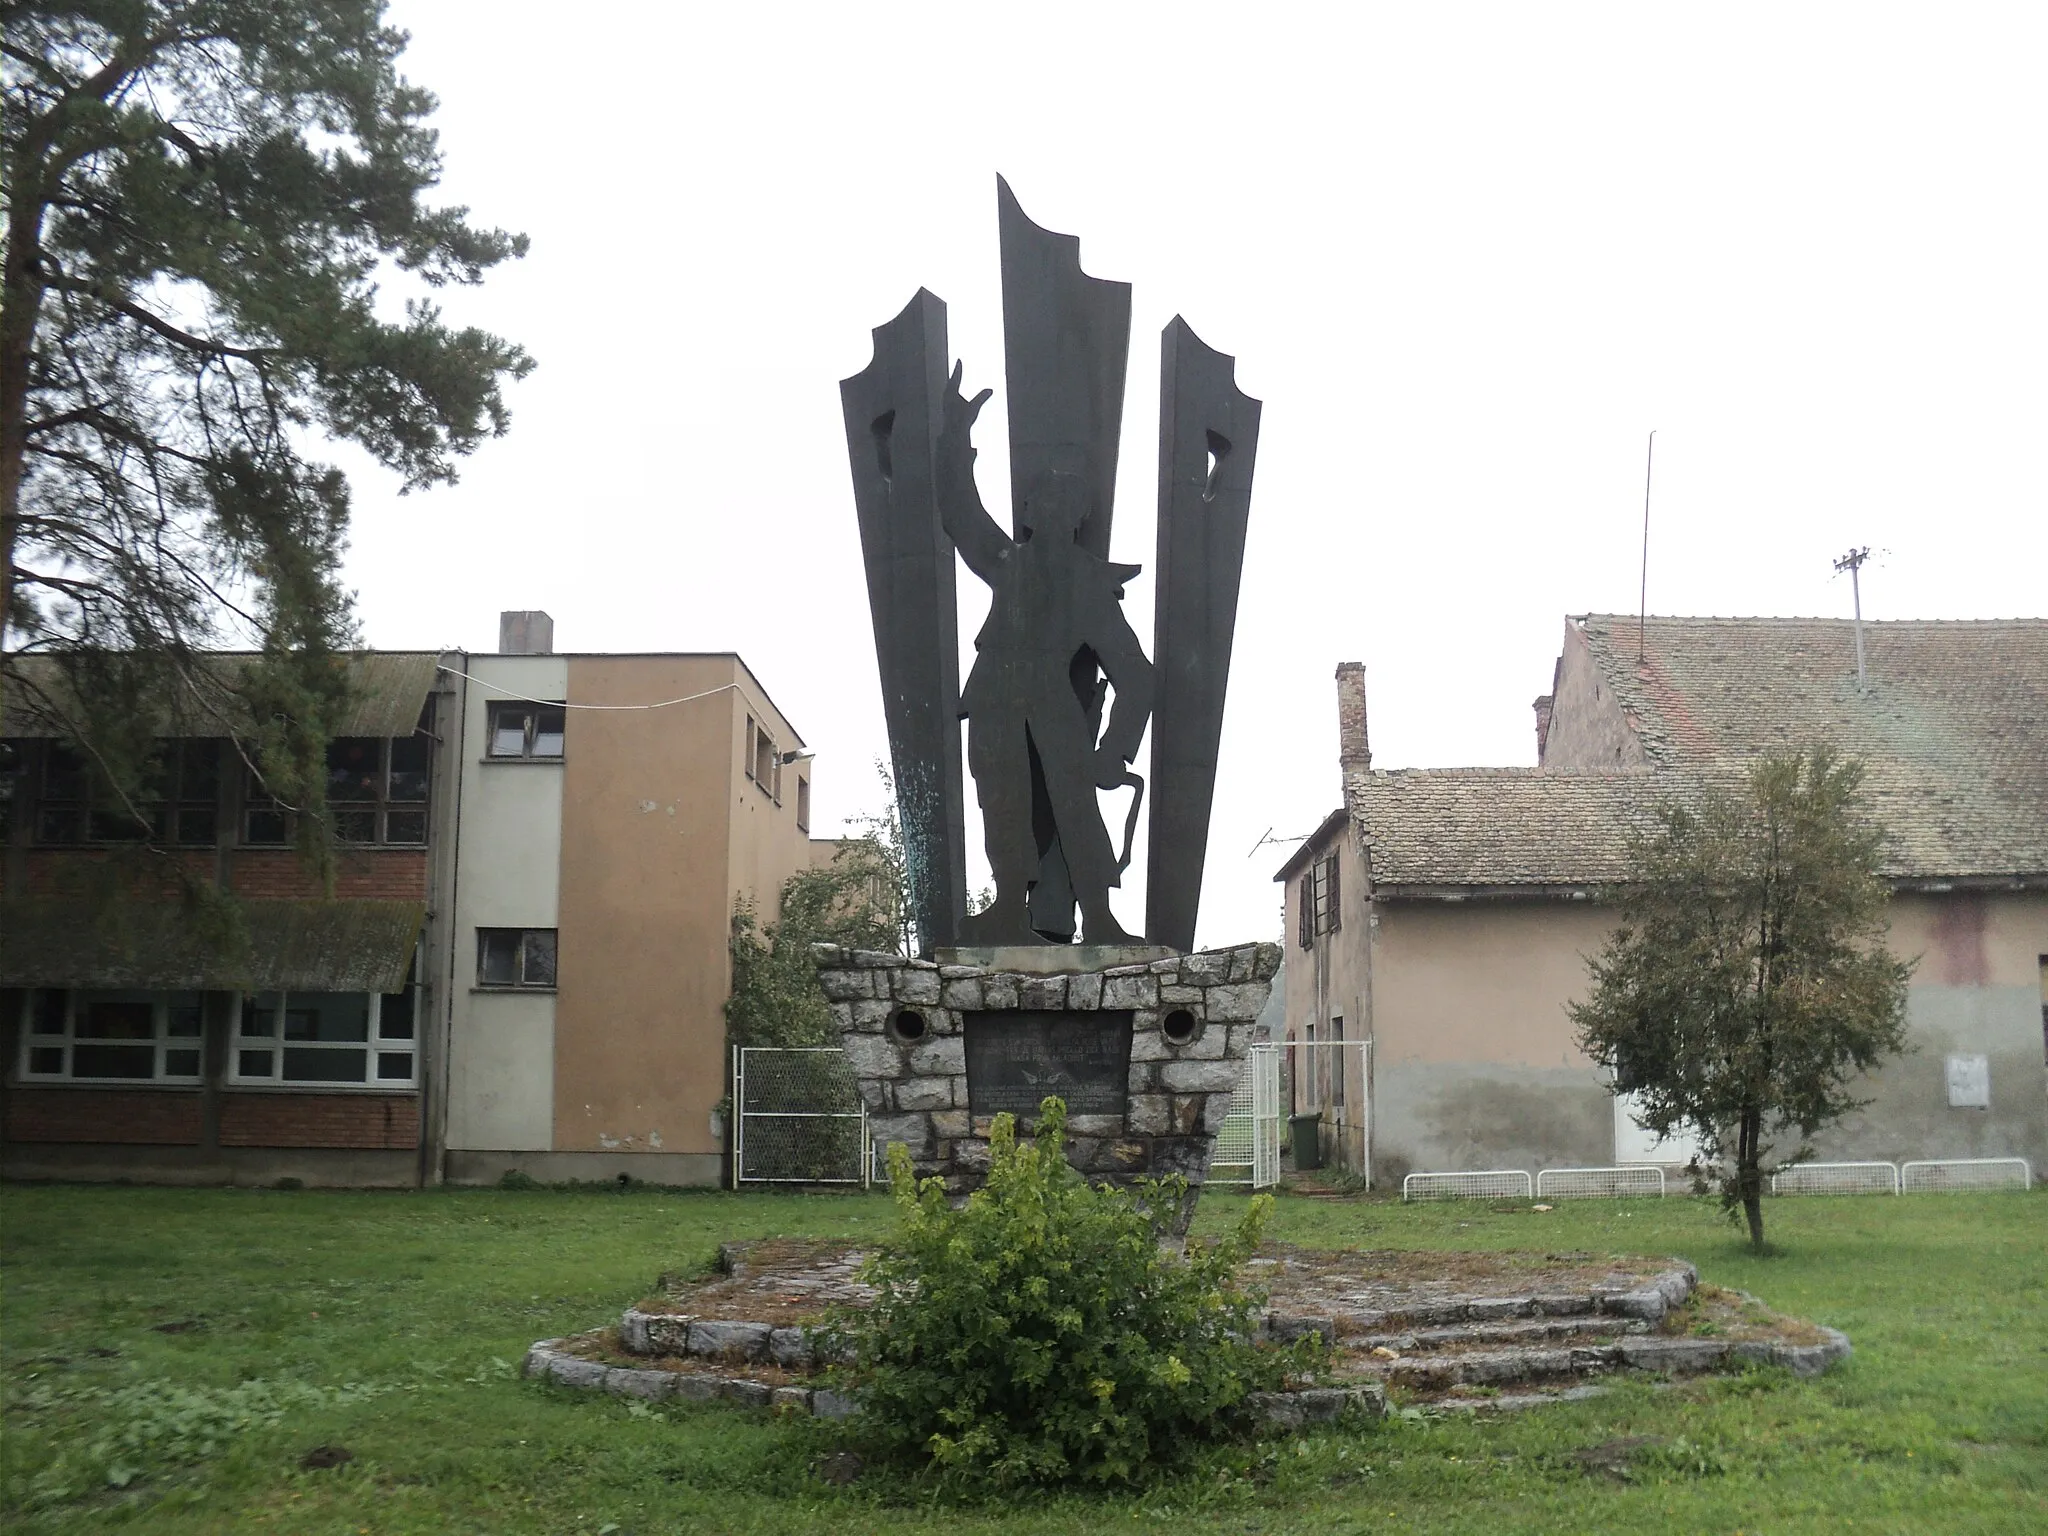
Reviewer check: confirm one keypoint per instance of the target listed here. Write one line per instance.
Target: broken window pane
(409, 760)
(354, 769)
(538, 952)
(117, 1019)
(327, 1016)
(259, 1014)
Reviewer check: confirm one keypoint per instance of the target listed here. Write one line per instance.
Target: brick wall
(357, 1120)
(382, 874)
(164, 1119)
(74, 873)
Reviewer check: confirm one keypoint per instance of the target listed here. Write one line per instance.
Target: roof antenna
(1852, 562)
(1643, 597)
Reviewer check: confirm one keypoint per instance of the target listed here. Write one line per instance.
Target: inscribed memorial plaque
(1017, 1058)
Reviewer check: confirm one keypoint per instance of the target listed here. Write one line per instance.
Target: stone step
(1674, 1356)
(1647, 1303)
(1533, 1331)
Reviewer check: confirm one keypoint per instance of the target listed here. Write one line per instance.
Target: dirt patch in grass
(785, 1281)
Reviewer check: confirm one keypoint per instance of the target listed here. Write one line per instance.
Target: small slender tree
(1748, 983)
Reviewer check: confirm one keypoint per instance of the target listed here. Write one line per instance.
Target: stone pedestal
(940, 1047)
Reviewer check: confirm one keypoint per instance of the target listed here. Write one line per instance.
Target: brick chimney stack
(525, 632)
(1353, 751)
(1542, 726)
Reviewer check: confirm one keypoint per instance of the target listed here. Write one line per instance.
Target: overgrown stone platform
(1473, 1330)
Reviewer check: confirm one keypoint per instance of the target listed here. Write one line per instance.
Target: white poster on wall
(1969, 1082)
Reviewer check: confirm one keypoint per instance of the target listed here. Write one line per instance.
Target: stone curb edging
(550, 1360)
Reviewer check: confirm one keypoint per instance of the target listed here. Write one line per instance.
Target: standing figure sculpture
(1056, 647)
(1033, 699)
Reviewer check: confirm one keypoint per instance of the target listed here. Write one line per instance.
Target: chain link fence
(798, 1117)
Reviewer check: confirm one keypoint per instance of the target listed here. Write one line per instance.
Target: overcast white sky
(1468, 255)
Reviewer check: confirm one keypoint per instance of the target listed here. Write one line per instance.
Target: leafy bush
(1040, 1332)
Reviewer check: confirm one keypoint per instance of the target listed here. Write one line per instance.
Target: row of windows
(377, 791)
(286, 1038)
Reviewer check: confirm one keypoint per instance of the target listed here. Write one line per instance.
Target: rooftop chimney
(525, 632)
(1543, 704)
(1352, 748)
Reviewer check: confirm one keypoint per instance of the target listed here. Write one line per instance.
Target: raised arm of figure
(980, 540)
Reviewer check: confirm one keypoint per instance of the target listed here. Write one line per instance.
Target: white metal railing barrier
(1248, 1146)
(1489, 1184)
(1960, 1173)
(1266, 1115)
(1837, 1179)
(798, 1117)
(1598, 1183)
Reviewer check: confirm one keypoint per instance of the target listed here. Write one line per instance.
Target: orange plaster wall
(659, 829)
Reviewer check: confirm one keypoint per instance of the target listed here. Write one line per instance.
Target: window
(764, 763)
(325, 1038)
(12, 758)
(175, 802)
(1318, 906)
(377, 788)
(515, 957)
(803, 805)
(524, 730)
(111, 1037)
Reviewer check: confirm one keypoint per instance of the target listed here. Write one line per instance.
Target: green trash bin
(1306, 1133)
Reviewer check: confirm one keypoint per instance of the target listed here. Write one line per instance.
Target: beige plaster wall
(1322, 984)
(1587, 726)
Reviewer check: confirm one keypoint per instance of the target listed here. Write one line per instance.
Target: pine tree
(1748, 983)
(201, 200)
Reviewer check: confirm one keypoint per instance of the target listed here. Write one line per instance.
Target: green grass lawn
(392, 1323)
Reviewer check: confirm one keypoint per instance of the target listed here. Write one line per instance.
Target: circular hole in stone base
(1179, 1026)
(908, 1026)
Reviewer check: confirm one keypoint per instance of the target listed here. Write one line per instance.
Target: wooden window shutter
(1336, 916)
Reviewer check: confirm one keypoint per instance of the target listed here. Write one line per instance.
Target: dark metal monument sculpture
(1056, 647)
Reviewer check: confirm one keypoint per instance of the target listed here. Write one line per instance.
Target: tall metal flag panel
(892, 410)
(1208, 440)
(1066, 352)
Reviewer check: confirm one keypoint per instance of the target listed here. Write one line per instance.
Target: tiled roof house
(1448, 912)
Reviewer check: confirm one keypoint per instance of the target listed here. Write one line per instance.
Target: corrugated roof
(1952, 725)
(310, 946)
(388, 689)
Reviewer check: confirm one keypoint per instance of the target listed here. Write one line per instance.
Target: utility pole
(1643, 596)
(1852, 562)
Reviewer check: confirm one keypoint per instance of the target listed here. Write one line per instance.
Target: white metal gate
(798, 1117)
(1333, 1078)
(1248, 1146)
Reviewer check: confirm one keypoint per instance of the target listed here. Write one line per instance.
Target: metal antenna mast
(1643, 596)
(1852, 562)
